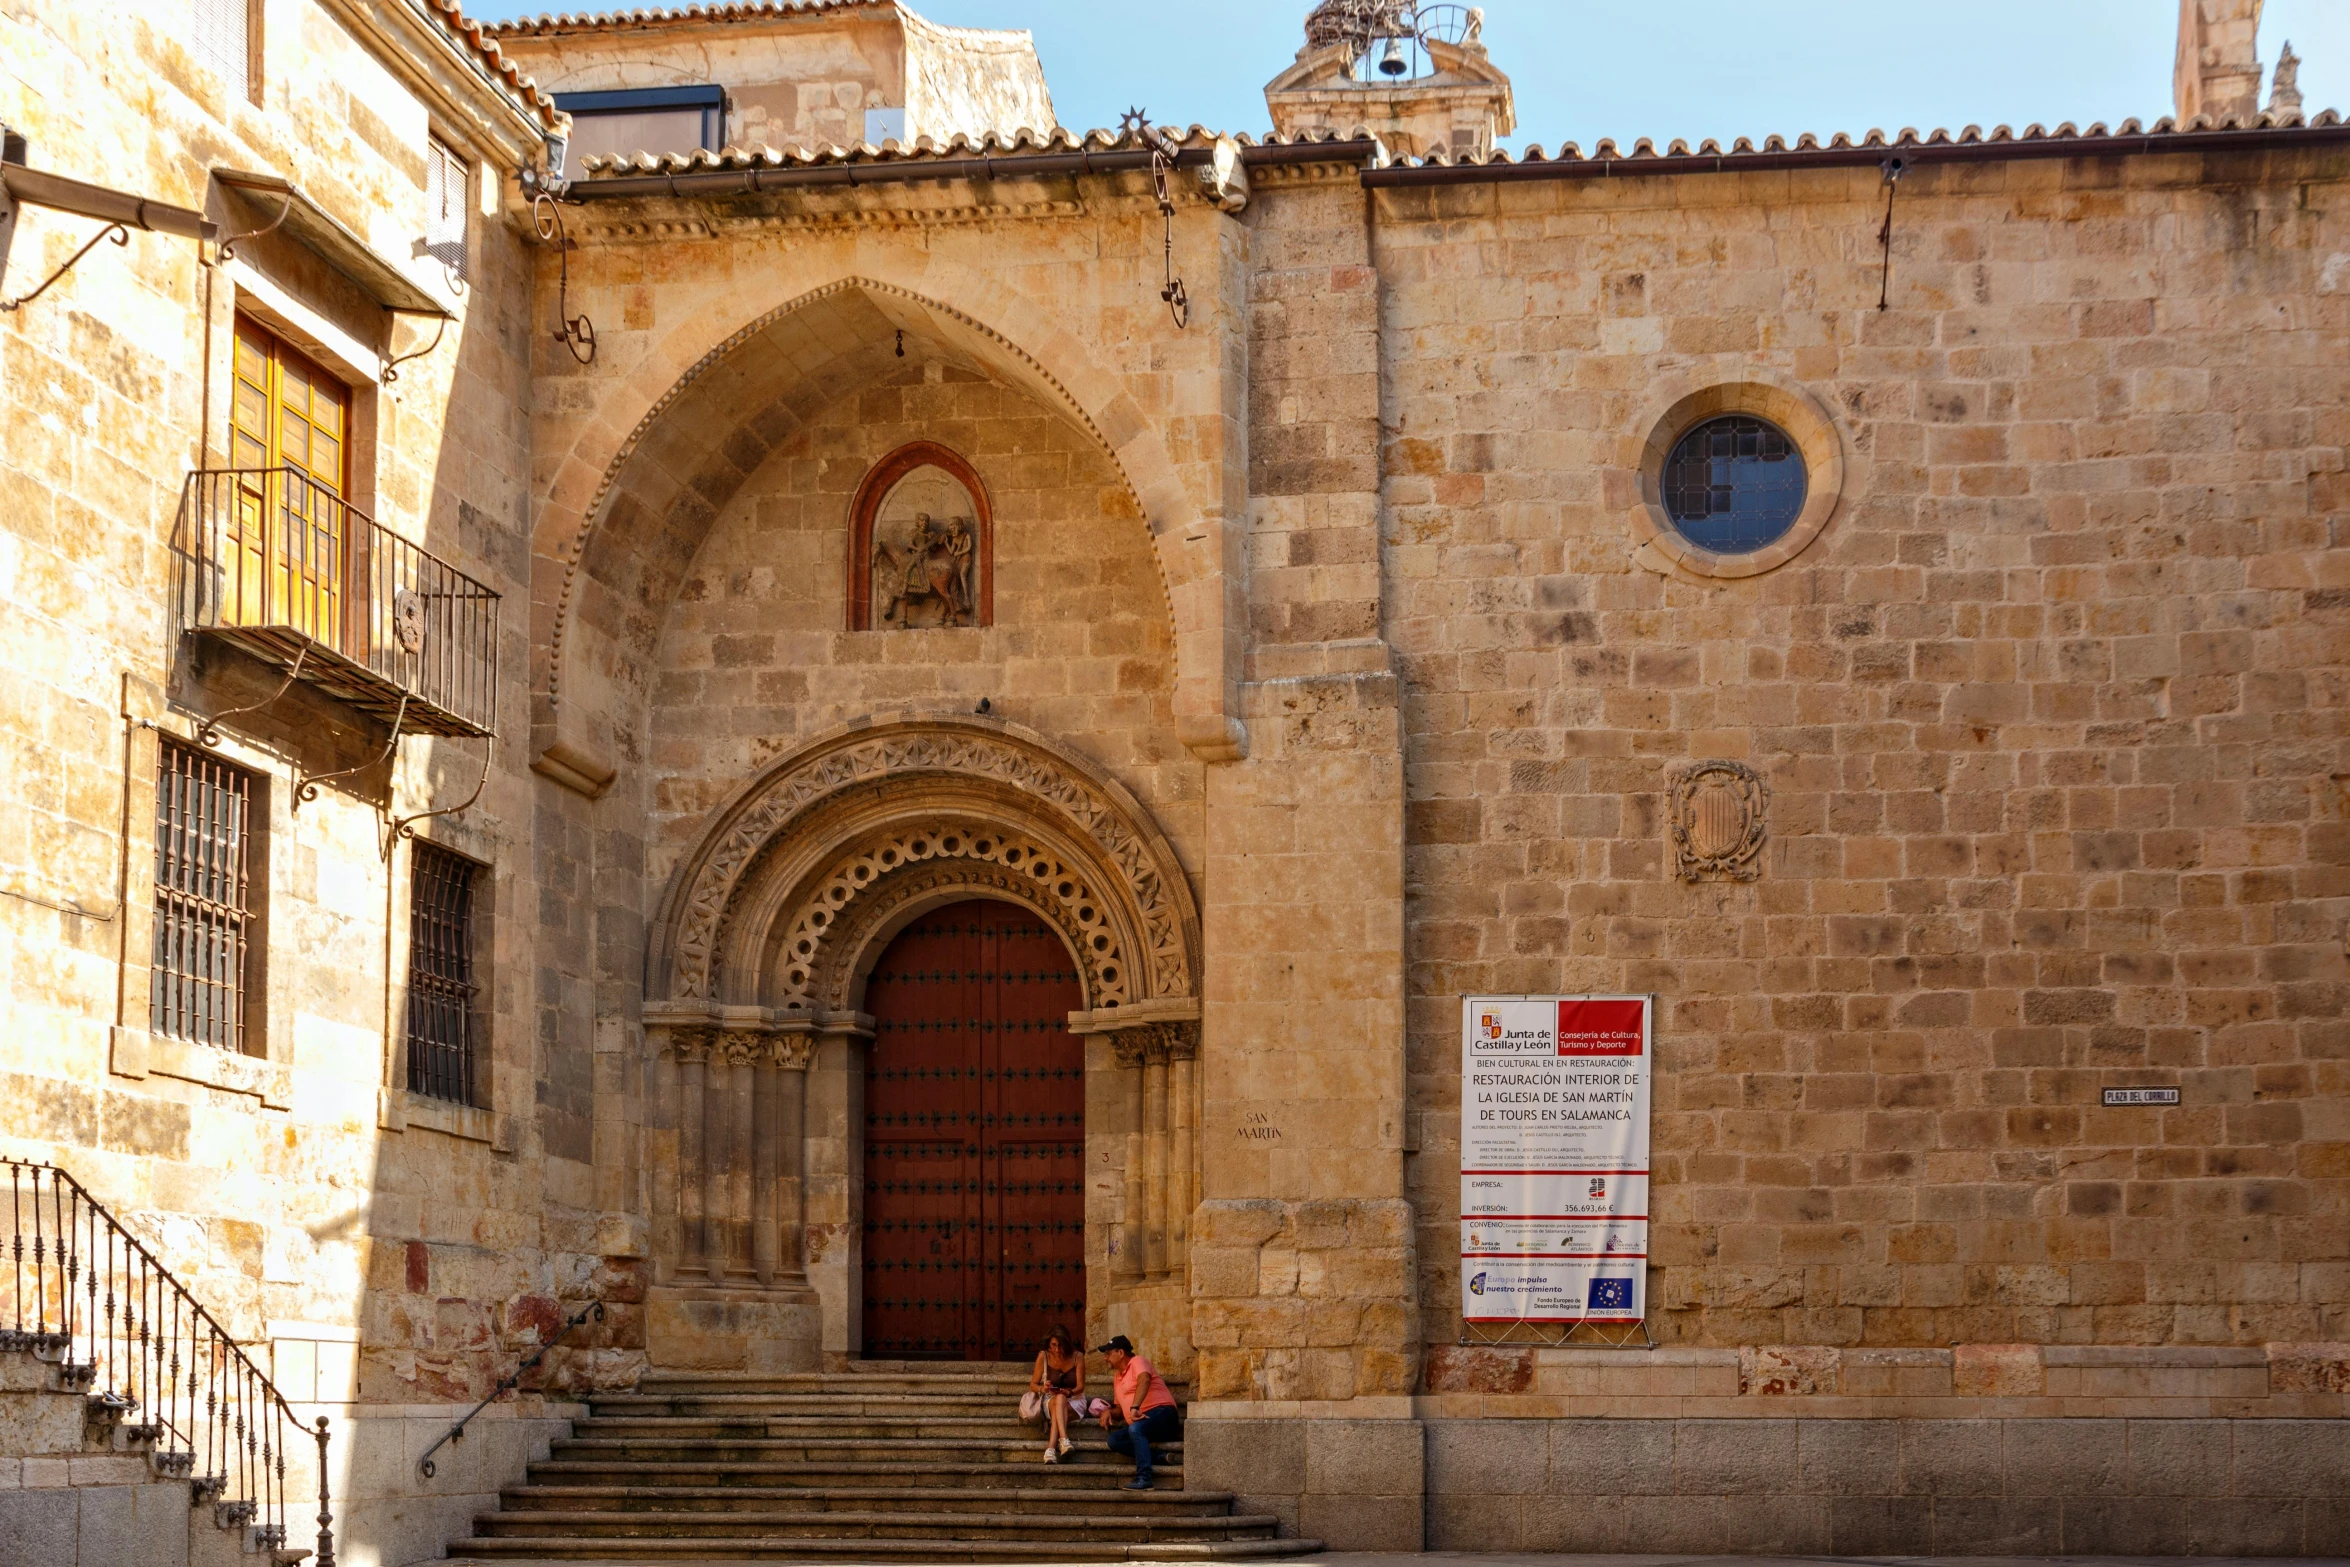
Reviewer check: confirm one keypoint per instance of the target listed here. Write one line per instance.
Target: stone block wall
(386, 1512)
(755, 658)
(1313, 419)
(2049, 714)
(1301, 1247)
(1901, 1487)
(1355, 1485)
(298, 1190)
(807, 80)
(87, 1512)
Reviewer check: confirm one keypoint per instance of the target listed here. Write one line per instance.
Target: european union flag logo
(1610, 1295)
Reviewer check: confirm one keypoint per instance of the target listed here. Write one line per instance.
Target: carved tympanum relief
(925, 553)
(1717, 821)
(922, 544)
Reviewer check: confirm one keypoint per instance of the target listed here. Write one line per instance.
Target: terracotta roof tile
(1837, 148)
(546, 24)
(478, 38)
(1973, 135)
(961, 145)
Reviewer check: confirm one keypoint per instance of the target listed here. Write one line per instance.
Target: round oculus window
(1734, 484)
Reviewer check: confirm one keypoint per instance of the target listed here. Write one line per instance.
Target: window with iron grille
(446, 186)
(204, 866)
(443, 1015)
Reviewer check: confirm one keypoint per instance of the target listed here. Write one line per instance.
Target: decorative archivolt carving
(828, 927)
(1029, 794)
(1717, 821)
(736, 1045)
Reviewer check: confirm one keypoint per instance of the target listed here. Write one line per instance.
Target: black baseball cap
(1121, 1343)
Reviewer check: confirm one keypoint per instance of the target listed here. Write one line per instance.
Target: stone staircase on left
(133, 1429)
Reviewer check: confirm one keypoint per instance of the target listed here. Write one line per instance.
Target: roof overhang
(271, 202)
(456, 86)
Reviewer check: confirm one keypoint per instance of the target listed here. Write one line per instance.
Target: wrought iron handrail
(90, 1296)
(280, 563)
(511, 1381)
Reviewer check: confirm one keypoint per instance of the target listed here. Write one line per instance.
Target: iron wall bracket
(7, 229)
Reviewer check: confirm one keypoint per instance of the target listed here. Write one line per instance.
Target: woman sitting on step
(1058, 1378)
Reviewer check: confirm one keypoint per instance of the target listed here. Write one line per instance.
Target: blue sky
(1584, 69)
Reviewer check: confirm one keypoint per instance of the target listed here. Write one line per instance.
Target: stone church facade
(1235, 593)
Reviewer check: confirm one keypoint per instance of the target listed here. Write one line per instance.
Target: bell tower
(2217, 72)
(1416, 76)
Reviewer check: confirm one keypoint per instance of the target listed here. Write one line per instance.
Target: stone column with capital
(745, 1052)
(690, 1048)
(1183, 1141)
(767, 1145)
(786, 1185)
(1154, 1152)
(1134, 1245)
(736, 1297)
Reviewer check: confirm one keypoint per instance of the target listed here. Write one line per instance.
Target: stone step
(978, 1376)
(578, 1552)
(1001, 1427)
(1005, 1500)
(804, 1523)
(690, 1401)
(746, 1449)
(766, 1406)
(1030, 1473)
(911, 1463)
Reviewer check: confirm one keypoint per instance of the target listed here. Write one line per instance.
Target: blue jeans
(1160, 1425)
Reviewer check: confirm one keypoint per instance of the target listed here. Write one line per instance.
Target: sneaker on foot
(1064, 1447)
(1051, 1454)
(1139, 1483)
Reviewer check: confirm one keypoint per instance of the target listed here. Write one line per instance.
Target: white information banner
(1554, 1157)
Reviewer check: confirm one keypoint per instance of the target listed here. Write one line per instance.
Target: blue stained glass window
(1734, 485)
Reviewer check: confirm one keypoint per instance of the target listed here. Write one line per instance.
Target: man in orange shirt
(1139, 1396)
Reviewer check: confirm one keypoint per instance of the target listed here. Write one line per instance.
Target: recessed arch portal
(778, 907)
(611, 561)
(760, 957)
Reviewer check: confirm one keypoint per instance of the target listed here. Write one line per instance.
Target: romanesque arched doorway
(782, 966)
(974, 1224)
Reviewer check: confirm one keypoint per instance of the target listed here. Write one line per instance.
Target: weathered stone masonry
(1340, 661)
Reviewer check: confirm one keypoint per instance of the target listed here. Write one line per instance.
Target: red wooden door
(974, 1139)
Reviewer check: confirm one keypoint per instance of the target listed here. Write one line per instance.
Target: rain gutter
(1864, 157)
(755, 181)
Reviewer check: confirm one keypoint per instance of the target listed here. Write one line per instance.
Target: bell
(1392, 63)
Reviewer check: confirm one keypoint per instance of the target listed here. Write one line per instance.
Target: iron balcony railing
(280, 565)
(87, 1295)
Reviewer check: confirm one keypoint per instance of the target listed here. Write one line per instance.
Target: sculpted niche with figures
(922, 544)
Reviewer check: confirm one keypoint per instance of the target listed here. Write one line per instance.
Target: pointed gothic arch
(701, 414)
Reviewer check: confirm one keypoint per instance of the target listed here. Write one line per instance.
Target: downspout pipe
(38, 188)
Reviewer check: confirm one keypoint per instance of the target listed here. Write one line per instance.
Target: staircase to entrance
(891, 1461)
(134, 1425)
